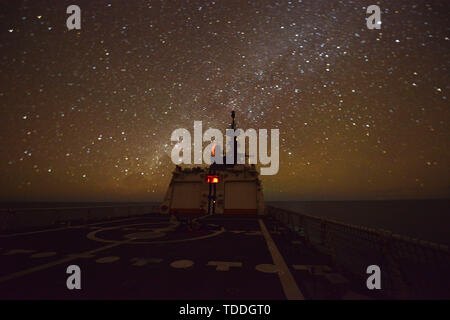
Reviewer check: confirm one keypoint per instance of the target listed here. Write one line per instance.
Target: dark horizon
(111, 201)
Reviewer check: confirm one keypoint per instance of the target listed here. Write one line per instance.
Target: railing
(11, 219)
(410, 268)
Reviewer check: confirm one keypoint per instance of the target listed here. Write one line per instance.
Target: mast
(233, 126)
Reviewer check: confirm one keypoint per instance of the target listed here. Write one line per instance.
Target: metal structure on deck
(411, 268)
(227, 188)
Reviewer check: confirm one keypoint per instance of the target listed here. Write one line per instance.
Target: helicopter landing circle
(145, 236)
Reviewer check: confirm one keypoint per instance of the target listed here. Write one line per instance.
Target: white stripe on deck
(58, 262)
(290, 288)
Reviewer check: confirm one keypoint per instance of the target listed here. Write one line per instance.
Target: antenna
(233, 125)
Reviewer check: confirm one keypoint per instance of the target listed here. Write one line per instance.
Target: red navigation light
(212, 179)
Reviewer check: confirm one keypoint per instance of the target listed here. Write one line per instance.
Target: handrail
(82, 207)
(410, 268)
(36, 217)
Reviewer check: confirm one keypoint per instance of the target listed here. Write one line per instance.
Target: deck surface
(152, 257)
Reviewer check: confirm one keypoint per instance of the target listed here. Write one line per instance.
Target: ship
(226, 188)
(212, 237)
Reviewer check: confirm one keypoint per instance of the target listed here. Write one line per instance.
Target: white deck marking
(290, 288)
(107, 259)
(224, 265)
(65, 228)
(44, 254)
(17, 251)
(267, 268)
(182, 264)
(93, 236)
(57, 262)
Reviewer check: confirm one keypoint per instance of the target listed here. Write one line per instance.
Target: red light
(212, 179)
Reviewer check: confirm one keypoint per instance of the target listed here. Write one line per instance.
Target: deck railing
(410, 268)
(11, 219)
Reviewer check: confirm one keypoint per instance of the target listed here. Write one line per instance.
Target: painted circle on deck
(43, 254)
(107, 259)
(145, 237)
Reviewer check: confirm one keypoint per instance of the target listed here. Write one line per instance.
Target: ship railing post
(306, 230)
(327, 241)
(323, 233)
(6, 218)
(399, 288)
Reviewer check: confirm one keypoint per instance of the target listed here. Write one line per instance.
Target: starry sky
(86, 115)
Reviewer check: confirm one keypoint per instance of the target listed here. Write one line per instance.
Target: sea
(423, 219)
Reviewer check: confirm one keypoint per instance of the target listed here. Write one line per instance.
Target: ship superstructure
(216, 189)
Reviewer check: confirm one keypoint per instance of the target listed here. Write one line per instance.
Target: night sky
(87, 115)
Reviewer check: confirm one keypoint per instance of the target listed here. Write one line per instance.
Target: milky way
(87, 114)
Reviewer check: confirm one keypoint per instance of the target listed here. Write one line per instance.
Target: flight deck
(156, 256)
